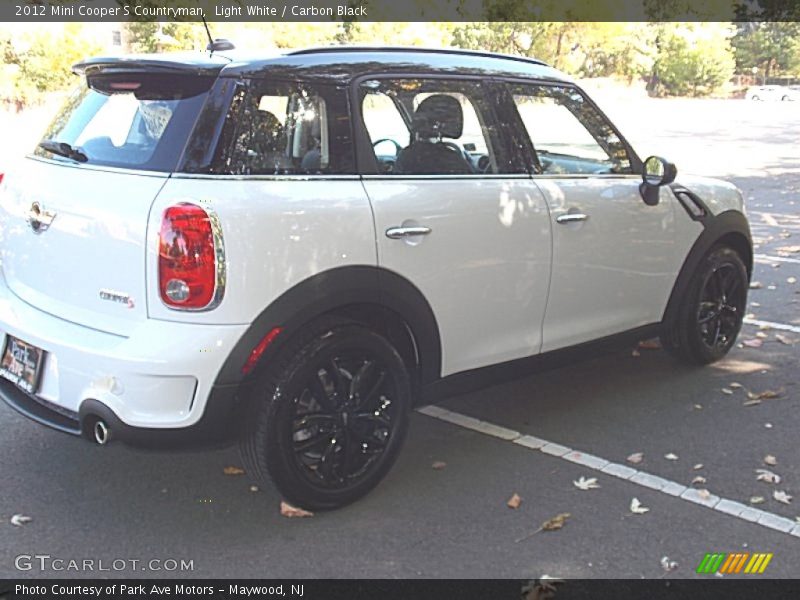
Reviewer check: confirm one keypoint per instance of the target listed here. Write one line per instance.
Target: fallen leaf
(767, 476)
(586, 484)
(770, 460)
(637, 508)
(727, 391)
(764, 327)
(698, 407)
(556, 522)
(757, 499)
(698, 466)
(514, 501)
(698, 479)
(667, 564)
(20, 520)
(653, 344)
(772, 287)
(704, 494)
(438, 465)
(253, 488)
(636, 352)
(791, 280)
(782, 496)
(766, 394)
(789, 249)
(671, 456)
(635, 458)
(287, 510)
(768, 425)
(756, 285)
(233, 471)
(753, 343)
(761, 335)
(751, 402)
(735, 385)
(784, 339)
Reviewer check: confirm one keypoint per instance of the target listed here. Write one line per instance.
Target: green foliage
(773, 48)
(42, 63)
(692, 59)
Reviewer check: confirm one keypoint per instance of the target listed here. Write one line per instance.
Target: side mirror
(657, 172)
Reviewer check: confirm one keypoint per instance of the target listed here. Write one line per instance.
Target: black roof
(336, 63)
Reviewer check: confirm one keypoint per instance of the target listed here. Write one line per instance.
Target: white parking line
(640, 478)
(766, 258)
(772, 325)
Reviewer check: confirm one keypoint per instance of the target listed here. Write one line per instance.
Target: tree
(693, 58)
(771, 47)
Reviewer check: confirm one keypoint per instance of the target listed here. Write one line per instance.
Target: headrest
(438, 116)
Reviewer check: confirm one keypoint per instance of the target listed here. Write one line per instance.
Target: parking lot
(714, 426)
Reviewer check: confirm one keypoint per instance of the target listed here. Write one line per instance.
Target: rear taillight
(1, 178)
(191, 258)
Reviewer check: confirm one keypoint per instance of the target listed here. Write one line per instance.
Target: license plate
(21, 364)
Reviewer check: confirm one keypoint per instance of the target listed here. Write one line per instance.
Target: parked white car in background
(291, 252)
(772, 92)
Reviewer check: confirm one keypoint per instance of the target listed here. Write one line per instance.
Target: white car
(772, 92)
(292, 252)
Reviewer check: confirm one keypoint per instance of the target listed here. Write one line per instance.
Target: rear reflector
(256, 353)
(190, 258)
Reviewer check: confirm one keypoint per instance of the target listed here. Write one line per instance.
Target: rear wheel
(331, 415)
(710, 316)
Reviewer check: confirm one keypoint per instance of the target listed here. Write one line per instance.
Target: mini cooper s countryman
(290, 252)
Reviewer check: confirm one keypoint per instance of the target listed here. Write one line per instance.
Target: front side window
(276, 128)
(568, 134)
(431, 127)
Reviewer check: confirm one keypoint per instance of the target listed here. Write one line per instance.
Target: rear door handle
(572, 218)
(398, 233)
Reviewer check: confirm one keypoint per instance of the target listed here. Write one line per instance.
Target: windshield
(132, 121)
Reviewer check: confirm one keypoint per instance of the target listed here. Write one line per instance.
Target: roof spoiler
(149, 64)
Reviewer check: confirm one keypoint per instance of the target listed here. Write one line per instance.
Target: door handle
(572, 218)
(398, 233)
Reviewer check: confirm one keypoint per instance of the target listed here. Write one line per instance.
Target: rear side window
(131, 121)
(286, 128)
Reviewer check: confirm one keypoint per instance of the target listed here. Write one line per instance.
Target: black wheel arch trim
(731, 225)
(333, 290)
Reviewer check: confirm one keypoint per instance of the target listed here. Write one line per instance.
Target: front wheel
(331, 415)
(710, 316)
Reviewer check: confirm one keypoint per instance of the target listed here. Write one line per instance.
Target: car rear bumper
(155, 385)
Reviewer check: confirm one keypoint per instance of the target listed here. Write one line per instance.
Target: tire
(331, 414)
(710, 316)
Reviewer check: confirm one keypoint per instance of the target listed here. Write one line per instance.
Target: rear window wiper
(63, 149)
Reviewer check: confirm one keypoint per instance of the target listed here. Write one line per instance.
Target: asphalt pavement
(115, 503)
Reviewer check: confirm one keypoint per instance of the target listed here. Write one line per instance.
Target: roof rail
(455, 51)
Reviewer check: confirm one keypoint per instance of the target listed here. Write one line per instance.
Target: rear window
(129, 121)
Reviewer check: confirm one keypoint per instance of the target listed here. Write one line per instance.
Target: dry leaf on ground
(761, 335)
(671, 456)
(767, 476)
(790, 249)
(586, 484)
(727, 391)
(698, 466)
(735, 385)
(784, 339)
(698, 479)
(514, 501)
(637, 508)
(438, 465)
(766, 394)
(753, 343)
(704, 494)
(791, 280)
(782, 496)
(20, 520)
(770, 460)
(751, 402)
(653, 344)
(667, 564)
(757, 499)
(287, 510)
(233, 471)
(556, 522)
(635, 458)
(756, 285)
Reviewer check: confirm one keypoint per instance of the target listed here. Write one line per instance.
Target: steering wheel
(397, 147)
